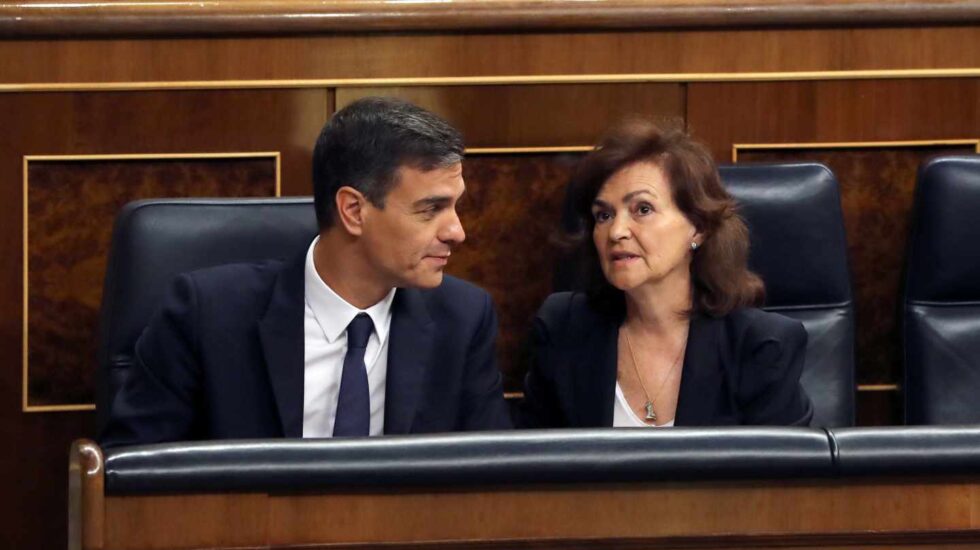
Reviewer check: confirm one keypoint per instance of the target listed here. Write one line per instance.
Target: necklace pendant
(651, 416)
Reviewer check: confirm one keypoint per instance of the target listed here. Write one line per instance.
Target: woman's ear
(350, 209)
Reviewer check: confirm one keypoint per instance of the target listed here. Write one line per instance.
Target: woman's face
(641, 237)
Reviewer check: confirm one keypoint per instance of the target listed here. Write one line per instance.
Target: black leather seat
(906, 450)
(942, 295)
(471, 459)
(798, 248)
(153, 240)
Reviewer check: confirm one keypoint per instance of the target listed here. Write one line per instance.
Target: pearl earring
(694, 246)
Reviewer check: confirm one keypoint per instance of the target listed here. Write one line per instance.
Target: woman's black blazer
(743, 368)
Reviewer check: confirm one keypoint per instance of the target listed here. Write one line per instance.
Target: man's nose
(452, 231)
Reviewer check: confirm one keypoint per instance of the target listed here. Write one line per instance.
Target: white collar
(333, 313)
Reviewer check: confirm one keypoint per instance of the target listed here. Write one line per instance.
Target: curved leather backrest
(153, 240)
(798, 247)
(471, 459)
(942, 295)
(906, 450)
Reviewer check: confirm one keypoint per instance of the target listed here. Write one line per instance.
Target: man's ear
(350, 209)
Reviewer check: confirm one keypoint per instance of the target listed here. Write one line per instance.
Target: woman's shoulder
(561, 306)
(755, 326)
(567, 312)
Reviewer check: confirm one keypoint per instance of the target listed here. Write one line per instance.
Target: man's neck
(342, 266)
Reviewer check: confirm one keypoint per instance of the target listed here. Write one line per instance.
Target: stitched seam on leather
(817, 307)
(942, 304)
(834, 451)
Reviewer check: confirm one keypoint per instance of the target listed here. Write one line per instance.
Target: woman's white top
(624, 417)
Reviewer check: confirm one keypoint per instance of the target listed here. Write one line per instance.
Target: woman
(668, 332)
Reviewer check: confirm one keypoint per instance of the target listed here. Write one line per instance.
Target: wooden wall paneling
(511, 212)
(876, 182)
(353, 56)
(71, 204)
(223, 17)
(790, 513)
(725, 113)
(534, 116)
(877, 186)
(111, 123)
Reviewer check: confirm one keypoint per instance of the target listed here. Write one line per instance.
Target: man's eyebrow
(434, 200)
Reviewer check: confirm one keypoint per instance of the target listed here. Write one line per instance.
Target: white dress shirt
(325, 345)
(624, 417)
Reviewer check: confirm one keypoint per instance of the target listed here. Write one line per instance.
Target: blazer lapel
(281, 335)
(702, 376)
(596, 368)
(409, 354)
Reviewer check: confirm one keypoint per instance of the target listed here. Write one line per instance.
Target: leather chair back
(153, 240)
(941, 322)
(798, 248)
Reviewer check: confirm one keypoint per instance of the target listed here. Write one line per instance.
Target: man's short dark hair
(364, 144)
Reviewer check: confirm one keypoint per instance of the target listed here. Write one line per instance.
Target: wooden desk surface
(822, 513)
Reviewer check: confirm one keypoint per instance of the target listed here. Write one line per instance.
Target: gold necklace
(651, 416)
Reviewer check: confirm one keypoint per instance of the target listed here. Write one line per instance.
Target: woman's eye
(601, 216)
(644, 209)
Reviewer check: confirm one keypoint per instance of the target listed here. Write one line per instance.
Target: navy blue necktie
(354, 402)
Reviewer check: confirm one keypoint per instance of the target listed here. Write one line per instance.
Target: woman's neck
(660, 308)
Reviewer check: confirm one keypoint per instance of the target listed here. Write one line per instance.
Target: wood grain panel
(510, 213)
(723, 114)
(111, 123)
(529, 116)
(237, 521)
(459, 55)
(814, 514)
(145, 18)
(71, 205)
(877, 186)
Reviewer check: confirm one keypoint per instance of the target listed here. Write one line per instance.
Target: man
(362, 335)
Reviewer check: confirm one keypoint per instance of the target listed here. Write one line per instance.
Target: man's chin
(429, 280)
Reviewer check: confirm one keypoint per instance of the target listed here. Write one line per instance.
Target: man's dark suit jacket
(743, 368)
(224, 358)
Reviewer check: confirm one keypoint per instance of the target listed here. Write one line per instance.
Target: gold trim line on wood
(494, 80)
(528, 150)
(736, 147)
(25, 371)
(878, 388)
(154, 156)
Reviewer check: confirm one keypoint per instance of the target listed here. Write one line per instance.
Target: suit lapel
(281, 335)
(596, 368)
(409, 354)
(703, 376)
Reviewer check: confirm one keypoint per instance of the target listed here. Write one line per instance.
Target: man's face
(409, 241)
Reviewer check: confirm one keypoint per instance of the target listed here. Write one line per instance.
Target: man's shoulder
(455, 294)
(237, 281)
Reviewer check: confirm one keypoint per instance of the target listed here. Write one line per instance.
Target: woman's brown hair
(720, 276)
